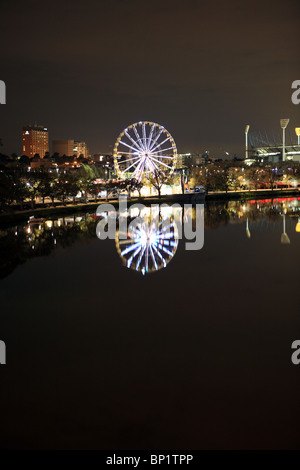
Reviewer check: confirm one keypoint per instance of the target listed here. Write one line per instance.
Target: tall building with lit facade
(35, 139)
(80, 148)
(63, 147)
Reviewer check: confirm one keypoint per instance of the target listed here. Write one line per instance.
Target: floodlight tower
(283, 124)
(297, 130)
(246, 141)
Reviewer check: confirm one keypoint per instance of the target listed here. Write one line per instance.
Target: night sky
(203, 69)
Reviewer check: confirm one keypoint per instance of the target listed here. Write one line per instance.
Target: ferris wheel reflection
(151, 240)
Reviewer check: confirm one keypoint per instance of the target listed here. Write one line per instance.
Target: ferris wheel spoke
(125, 242)
(130, 248)
(121, 152)
(167, 157)
(150, 136)
(153, 257)
(133, 141)
(161, 143)
(129, 146)
(162, 150)
(129, 262)
(140, 257)
(138, 136)
(144, 135)
(156, 139)
(160, 256)
(130, 159)
(161, 163)
(167, 251)
(141, 170)
(137, 170)
(147, 260)
(153, 164)
(134, 163)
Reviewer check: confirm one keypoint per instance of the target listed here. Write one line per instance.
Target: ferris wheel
(149, 246)
(144, 148)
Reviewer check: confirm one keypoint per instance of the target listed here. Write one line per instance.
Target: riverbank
(48, 212)
(256, 194)
(189, 198)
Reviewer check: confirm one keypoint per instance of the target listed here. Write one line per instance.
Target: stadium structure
(265, 146)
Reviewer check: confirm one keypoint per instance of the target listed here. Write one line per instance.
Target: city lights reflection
(152, 243)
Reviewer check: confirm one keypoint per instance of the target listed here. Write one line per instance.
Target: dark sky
(203, 69)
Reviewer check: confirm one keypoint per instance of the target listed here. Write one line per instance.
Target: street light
(297, 130)
(246, 141)
(283, 124)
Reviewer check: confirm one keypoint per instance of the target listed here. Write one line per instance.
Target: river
(190, 351)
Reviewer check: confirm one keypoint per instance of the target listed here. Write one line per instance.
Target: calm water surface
(194, 355)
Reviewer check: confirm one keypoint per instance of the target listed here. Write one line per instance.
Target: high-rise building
(63, 147)
(80, 148)
(35, 139)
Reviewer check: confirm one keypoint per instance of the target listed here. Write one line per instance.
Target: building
(185, 160)
(63, 147)
(273, 154)
(35, 140)
(269, 147)
(80, 148)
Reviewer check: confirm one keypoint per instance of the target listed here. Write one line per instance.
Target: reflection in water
(147, 247)
(284, 237)
(40, 237)
(247, 229)
(151, 240)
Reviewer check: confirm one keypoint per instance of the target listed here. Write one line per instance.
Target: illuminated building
(35, 140)
(80, 148)
(269, 147)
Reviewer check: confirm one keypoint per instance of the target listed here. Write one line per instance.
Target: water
(195, 355)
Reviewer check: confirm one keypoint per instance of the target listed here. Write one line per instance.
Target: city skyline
(203, 70)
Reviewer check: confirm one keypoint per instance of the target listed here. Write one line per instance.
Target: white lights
(144, 148)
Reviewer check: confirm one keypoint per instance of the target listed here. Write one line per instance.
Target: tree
(271, 176)
(33, 188)
(24, 160)
(133, 185)
(254, 175)
(44, 184)
(12, 188)
(86, 176)
(72, 185)
(114, 186)
(158, 179)
(221, 179)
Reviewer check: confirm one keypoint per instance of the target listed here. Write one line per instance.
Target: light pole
(283, 124)
(246, 141)
(297, 130)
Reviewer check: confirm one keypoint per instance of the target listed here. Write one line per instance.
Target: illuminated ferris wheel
(149, 246)
(143, 149)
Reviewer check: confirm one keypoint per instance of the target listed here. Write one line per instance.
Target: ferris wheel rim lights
(143, 144)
